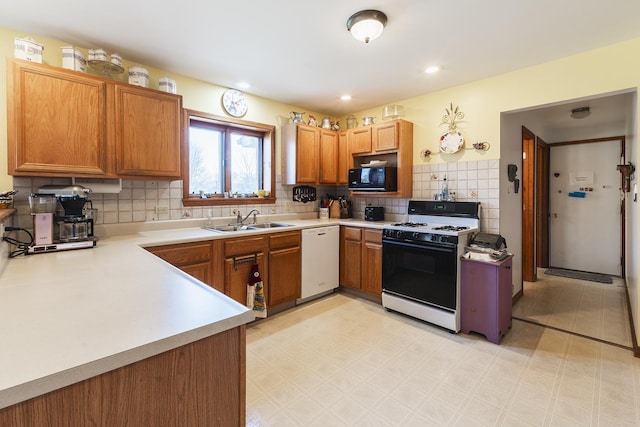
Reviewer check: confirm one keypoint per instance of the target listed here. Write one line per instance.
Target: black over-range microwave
(373, 179)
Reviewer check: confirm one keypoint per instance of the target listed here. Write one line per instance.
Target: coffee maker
(62, 218)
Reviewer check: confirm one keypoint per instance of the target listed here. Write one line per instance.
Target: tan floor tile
(342, 361)
(525, 412)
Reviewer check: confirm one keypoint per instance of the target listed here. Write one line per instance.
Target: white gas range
(421, 260)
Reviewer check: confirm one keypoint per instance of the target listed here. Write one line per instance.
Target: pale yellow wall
(605, 70)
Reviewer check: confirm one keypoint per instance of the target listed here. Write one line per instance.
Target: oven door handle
(451, 250)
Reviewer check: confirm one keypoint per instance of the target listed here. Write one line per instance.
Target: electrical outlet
(162, 210)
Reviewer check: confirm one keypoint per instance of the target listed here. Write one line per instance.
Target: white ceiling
(300, 53)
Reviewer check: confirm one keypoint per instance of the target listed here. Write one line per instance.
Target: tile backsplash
(137, 202)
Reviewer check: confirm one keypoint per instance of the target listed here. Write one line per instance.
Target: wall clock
(234, 103)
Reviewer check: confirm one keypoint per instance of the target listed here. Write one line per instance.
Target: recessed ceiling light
(243, 85)
(432, 70)
(346, 97)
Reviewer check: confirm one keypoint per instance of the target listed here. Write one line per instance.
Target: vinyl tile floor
(345, 361)
(597, 310)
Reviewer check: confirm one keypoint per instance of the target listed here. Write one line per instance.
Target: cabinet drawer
(244, 246)
(373, 236)
(187, 253)
(284, 240)
(352, 233)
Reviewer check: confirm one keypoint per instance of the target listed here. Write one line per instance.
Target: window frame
(267, 132)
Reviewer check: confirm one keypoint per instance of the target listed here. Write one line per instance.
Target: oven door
(423, 272)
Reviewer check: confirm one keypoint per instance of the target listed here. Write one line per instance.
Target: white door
(585, 232)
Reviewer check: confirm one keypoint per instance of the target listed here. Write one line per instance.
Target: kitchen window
(226, 160)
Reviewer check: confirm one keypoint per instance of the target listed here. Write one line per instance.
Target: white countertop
(68, 316)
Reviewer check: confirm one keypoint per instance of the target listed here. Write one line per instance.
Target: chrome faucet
(240, 220)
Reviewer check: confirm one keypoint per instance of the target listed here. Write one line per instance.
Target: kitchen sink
(268, 225)
(234, 227)
(226, 228)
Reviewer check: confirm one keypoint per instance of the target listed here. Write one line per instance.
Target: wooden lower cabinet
(350, 256)
(361, 259)
(285, 264)
(195, 259)
(372, 262)
(239, 256)
(198, 384)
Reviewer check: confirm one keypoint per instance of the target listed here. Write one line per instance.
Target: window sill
(221, 201)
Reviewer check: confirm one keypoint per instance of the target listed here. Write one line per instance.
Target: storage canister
(116, 59)
(73, 59)
(99, 55)
(28, 49)
(166, 84)
(138, 76)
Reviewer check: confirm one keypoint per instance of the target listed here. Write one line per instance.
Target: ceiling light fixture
(580, 113)
(432, 70)
(366, 25)
(346, 97)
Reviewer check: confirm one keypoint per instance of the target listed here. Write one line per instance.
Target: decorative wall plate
(451, 142)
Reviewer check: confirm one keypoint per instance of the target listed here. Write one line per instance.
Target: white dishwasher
(320, 261)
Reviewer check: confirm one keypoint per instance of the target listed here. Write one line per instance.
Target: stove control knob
(399, 234)
(415, 235)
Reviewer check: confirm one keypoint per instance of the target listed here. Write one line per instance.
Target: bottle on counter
(445, 190)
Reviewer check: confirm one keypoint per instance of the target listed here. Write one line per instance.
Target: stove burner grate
(410, 224)
(451, 228)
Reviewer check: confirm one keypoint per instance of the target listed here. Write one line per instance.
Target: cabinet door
(386, 136)
(56, 122)
(372, 262)
(344, 158)
(147, 132)
(307, 161)
(360, 140)
(236, 276)
(192, 258)
(328, 157)
(201, 271)
(350, 257)
(284, 275)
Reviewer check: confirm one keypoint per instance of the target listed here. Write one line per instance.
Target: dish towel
(255, 293)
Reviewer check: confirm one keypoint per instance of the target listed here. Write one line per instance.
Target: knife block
(334, 209)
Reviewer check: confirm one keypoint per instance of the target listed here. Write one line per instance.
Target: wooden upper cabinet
(386, 136)
(360, 140)
(307, 161)
(328, 157)
(344, 158)
(67, 123)
(147, 132)
(56, 121)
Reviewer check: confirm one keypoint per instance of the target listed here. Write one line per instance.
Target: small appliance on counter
(62, 219)
(373, 213)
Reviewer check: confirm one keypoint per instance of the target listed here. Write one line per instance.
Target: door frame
(542, 203)
(529, 270)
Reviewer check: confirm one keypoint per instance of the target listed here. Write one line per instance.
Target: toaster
(373, 213)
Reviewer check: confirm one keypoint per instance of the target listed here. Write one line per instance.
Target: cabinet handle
(508, 267)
